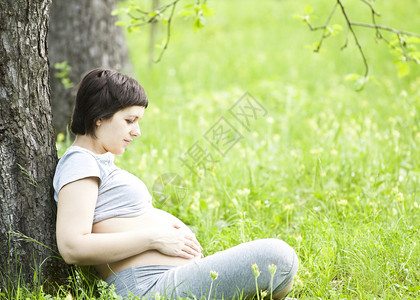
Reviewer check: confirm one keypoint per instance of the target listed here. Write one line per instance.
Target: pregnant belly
(151, 257)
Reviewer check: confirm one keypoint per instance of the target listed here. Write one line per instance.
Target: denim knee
(286, 261)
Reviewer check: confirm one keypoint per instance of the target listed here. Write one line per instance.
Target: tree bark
(27, 148)
(82, 33)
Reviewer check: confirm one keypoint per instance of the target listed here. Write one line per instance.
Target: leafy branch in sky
(197, 11)
(402, 44)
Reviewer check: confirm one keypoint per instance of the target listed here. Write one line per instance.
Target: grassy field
(332, 171)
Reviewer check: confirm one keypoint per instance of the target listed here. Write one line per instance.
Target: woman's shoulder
(78, 163)
(79, 155)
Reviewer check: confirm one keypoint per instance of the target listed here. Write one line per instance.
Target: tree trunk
(82, 33)
(27, 148)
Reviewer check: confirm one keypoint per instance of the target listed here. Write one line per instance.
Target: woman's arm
(78, 245)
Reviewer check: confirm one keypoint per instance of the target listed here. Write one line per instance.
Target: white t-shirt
(120, 194)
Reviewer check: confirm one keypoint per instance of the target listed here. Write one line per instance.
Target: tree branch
(325, 27)
(140, 17)
(400, 34)
(356, 40)
(168, 31)
(375, 26)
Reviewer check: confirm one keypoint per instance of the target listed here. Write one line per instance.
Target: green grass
(331, 171)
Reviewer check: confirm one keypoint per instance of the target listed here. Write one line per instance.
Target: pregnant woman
(106, 218)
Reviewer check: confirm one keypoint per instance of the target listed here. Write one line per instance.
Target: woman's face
(115, 134)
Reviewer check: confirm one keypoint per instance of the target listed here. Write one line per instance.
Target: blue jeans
(236, 278)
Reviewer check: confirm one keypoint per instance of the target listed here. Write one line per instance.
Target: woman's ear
(98, 122)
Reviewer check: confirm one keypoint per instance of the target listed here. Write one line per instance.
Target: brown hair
(101, 94)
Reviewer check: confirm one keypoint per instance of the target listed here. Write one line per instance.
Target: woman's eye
(130, 121)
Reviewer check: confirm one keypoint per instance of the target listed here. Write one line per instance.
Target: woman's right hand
(176, 240)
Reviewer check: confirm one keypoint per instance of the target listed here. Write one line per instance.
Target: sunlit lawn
(332, 171)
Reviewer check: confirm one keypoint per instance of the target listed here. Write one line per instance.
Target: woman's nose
(136, 130)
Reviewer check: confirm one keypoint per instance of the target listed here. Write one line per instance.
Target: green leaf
(197, 8)
(185, 13)
(352, 77)
(198, 23)
(411, 47)
(403, 69)
(308, 10)
(207, 11)
(119, 11)
(327, 31)
(396, 51)
(153, 13)
(67, 83)
(121, 23)
(336, 28)
(412, 40)
(133, 8)
(360, 83)
(189, 6)
(315, 48)
(133, 28)
(373, 79)
(415, 56)
(160, 45)
(395, 42)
